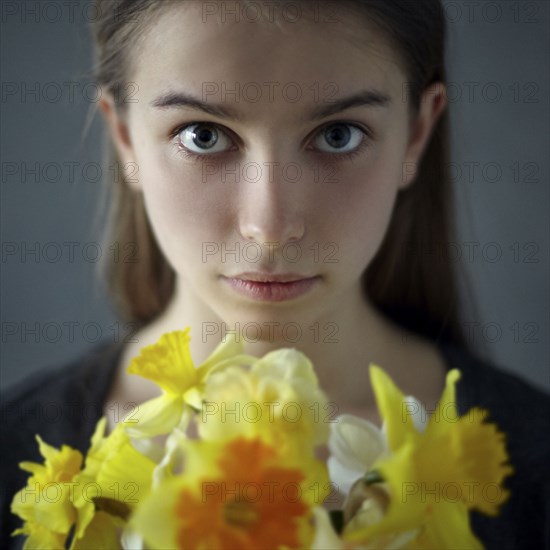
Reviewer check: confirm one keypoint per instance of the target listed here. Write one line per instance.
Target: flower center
(240, 514)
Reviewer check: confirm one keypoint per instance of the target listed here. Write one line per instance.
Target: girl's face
(265, 147)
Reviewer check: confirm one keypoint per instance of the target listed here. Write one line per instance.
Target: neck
(341, 342)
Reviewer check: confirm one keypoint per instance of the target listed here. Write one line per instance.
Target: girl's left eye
(203, 139)
(341, 138)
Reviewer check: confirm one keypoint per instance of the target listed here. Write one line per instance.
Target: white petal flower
(355, 444)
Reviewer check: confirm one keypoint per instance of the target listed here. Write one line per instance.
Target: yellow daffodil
(115, 479)
(57, 505)
(45, 504)
(278, 399)
(434, 478)
(63, 503)
(239, 493)
(168, 363)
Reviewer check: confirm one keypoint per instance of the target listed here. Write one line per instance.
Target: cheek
(361, 212)
(184, 213)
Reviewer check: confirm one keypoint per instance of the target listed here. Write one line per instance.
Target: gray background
(53, 309)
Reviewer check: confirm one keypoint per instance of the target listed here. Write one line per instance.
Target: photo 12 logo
(265, 492)
(253, 252)
(233, 11)
(55, 491)
(269, 331)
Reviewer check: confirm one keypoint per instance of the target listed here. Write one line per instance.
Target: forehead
(306, 56)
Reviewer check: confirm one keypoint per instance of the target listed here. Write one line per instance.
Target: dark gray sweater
(64, 406)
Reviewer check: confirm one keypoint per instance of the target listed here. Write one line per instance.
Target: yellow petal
(229, 347)
(33, 467)
(98, 435)
(101, 533)
(47, 506)
(448, 526)
(65, 462)
(85, 511)
(154, 519)
(126, 476)
(445, 413)
(57, 515)
(392, 406)
(407, 504)
(168, 363)
(47, 451)
(284, 411)
(194, 396)
(286, 364)
(156, 417)
(482, 456)
(41, 537)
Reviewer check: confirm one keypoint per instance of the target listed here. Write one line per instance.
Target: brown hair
(408, 280)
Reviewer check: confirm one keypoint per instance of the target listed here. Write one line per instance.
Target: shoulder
(49, 402)
(522, 412)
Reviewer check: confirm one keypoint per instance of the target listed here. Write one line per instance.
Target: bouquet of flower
(226, 458)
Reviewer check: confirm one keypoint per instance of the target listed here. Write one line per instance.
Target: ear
(432, 103)
(118, 129)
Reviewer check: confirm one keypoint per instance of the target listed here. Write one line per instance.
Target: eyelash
(195, 157)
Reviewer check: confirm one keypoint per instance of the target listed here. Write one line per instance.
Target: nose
(271, 203)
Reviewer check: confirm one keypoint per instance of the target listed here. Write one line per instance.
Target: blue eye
(340, 137)
(204, 138)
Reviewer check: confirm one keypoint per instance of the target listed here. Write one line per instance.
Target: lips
(264, 277)
(271, 287)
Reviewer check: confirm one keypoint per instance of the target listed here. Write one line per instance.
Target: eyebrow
(180, 100)
(365, 98)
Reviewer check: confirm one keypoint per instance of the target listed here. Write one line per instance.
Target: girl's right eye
(203, 139)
